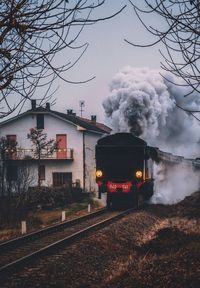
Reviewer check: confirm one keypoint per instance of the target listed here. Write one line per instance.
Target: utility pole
(84, 164)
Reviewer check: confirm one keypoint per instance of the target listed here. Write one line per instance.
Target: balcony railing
(28, 154)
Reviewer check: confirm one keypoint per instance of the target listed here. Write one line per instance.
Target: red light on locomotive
(115, 187)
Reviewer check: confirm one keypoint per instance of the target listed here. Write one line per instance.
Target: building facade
(71, 163)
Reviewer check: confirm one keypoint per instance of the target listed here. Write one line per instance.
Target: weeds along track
(20, 251)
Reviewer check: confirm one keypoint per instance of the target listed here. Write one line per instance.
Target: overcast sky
(106, 54)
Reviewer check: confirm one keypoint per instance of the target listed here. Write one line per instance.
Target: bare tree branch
(32, 34)
(180, 34)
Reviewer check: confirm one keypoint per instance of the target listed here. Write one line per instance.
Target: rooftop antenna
(81, 104)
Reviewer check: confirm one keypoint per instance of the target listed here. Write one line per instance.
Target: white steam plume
(142, 102)
(173, 183)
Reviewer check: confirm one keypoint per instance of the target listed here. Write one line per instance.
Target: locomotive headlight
(99, 173)
(138, 174)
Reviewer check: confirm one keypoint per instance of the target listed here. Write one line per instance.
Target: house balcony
(29, 154)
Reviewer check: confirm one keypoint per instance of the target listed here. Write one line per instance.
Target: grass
(41, 218)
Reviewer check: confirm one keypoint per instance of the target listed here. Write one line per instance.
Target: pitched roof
(83, 122)
(71, 117)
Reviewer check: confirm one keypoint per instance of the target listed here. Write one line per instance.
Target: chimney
(69, 112)
(33, 104)
(94, 118)
(48, 106)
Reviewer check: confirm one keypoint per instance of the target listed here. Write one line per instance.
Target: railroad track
(20, 251)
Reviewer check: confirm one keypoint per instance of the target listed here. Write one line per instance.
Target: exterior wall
(55, 166)
(20, 127)
(52, 126)
(90, 161)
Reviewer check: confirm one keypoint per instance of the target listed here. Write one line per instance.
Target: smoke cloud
(173, 184)
(143, 102)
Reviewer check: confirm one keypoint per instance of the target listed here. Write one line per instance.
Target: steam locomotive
(124, 168)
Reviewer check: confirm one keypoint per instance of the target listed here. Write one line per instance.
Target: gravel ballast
(157, 246)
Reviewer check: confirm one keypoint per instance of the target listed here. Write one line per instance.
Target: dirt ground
(167, 252)
(155, 247)
(42, 218)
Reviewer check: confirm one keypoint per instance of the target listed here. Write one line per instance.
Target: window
(40, 121)
(62, 179)
(42, 172)
(11, 173)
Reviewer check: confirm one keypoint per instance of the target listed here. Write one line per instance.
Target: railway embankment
(156, 246)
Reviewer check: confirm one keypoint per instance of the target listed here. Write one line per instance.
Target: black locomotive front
(121, 168)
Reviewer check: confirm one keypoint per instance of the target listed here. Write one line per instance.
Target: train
(124, 168)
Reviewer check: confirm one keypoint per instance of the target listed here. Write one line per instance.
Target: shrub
(48, 197)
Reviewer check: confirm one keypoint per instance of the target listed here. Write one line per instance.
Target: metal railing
(28, 154)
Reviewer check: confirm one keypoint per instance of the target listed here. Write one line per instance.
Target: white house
(73, 162)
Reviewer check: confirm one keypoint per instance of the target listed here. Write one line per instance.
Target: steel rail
(4, 270)
(47, 230)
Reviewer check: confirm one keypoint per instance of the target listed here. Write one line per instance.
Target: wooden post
(89, 208)
(23, 227)
(63, 215)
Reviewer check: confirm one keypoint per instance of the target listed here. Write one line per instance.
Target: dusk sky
(106, 55)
